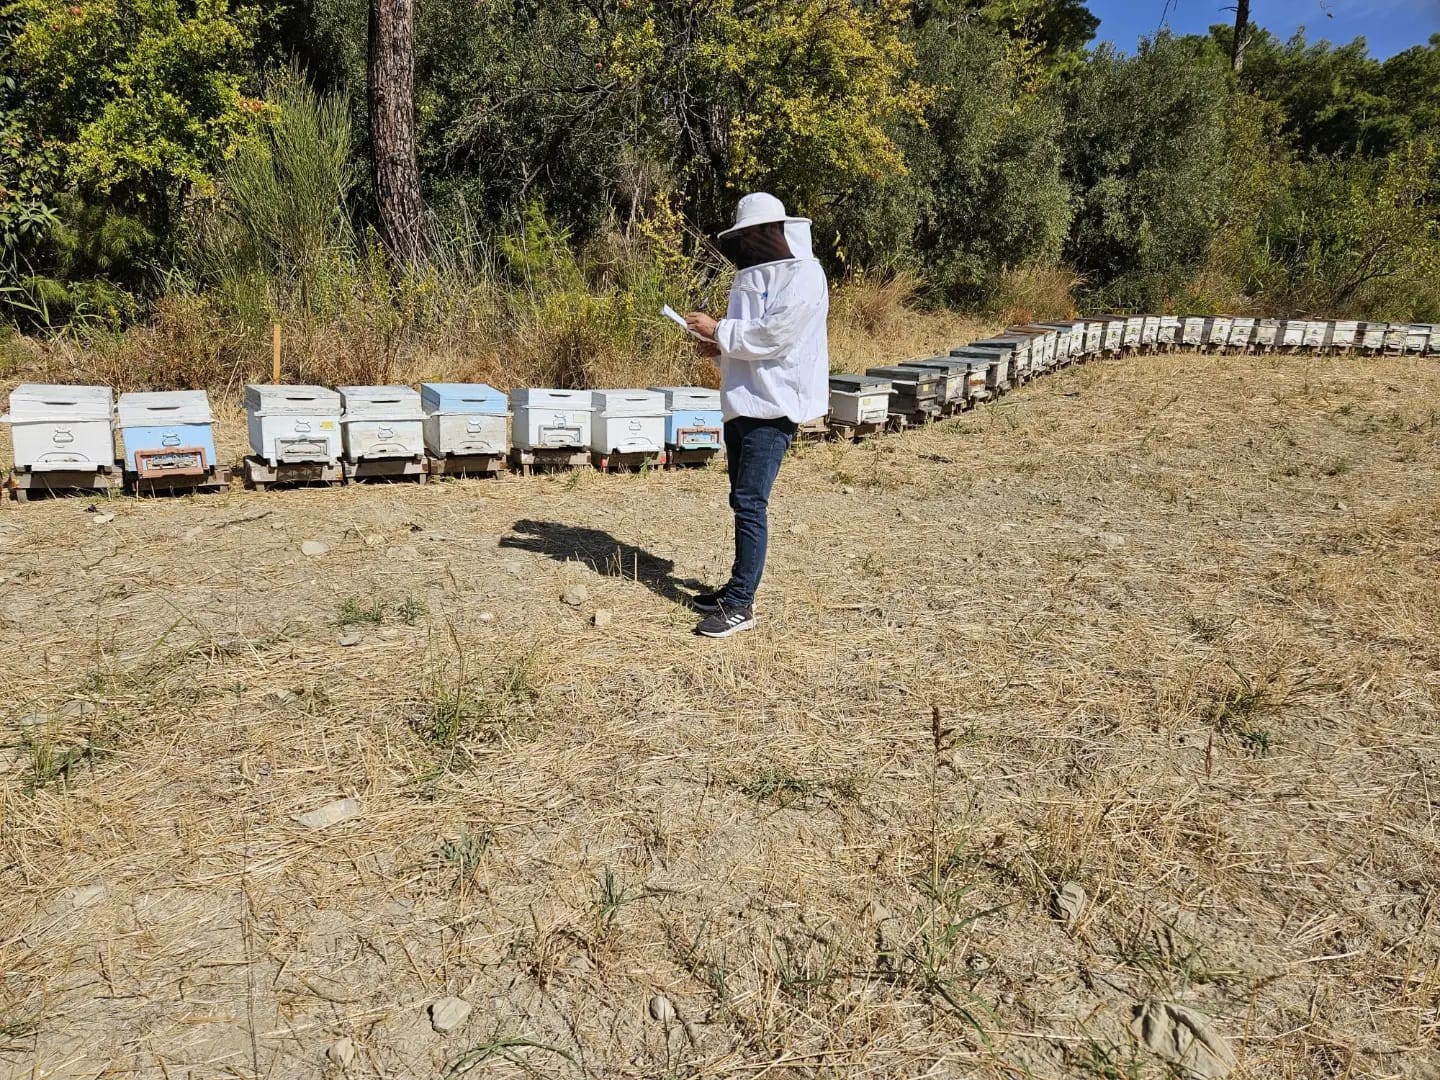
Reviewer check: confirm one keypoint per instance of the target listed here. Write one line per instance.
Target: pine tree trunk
(392, 126)
(1242, 35)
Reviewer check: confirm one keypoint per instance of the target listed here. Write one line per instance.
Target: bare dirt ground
(1178, 616)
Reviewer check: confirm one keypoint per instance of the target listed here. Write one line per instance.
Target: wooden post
(275, 354)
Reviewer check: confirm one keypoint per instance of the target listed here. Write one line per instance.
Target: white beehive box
(293, 423)
(1267, 332)
(1169, 333)
(627, 421)
(1094, 336)
(1417, 337)
(1317, 334)
(1114, 335)
(1395, 335)
(1242, 332)
(61, 427)
(1292, 333)
(465, 418)
(1192, 331)
(1150, 330)
(1343, 336)
(1217, 330)
(860, 399)
(1371, 336)
(547, 419)
(382, 422)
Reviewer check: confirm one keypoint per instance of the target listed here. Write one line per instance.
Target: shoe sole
(705, 609)
(748, 624)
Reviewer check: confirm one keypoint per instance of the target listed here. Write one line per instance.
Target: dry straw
(1178, 617)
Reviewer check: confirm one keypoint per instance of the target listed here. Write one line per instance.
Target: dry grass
(1177, 659)
(564, 339)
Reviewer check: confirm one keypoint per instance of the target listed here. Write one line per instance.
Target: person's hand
(708, 349)
(701, 324)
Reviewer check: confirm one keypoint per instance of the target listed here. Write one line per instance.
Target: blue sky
(1388, 26)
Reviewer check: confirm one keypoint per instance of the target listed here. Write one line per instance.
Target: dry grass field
(1093, 734)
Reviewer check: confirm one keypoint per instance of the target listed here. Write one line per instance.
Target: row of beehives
(71, 428)
(919, 390)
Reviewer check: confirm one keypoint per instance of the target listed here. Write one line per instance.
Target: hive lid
(164, 408)
(548, 398)
(988, 353)
(380, 403)
(859, 384)
(462, 398)
(50, 402)
(280, 399)
(689, 397)
(633, 402)
(903, 376)
(1010, 342)
(950, 364)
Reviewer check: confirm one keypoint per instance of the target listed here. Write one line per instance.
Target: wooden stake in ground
(392, 126)
(275, 353)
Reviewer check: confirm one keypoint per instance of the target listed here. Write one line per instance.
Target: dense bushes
(575, 156)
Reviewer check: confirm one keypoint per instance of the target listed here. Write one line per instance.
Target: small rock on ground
(661, 1009)
(1111, 540)
(84, 896)
(334, 813)
(1185, 1038)
(1069, 903)
(575, 595)
(349, 638)
(313, 547)
(341, 1052)
(602, 618)
(448, 1013)
(486, 617)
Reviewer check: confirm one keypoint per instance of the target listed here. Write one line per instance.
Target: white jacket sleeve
(782, 325)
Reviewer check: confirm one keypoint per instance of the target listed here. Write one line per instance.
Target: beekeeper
(774, 361)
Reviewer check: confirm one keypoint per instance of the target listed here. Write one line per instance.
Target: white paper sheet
(679, 320)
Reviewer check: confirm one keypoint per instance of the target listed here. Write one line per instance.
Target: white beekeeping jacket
(774, 350)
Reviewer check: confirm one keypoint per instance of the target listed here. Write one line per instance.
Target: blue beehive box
(695, 421)
(452, 397)
(465, 418)
(169, 433)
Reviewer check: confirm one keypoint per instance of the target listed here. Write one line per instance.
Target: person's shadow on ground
(604, 554)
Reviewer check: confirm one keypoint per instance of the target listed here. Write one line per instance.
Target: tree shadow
(604, 554)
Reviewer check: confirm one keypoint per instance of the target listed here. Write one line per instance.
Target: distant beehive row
(65, 436)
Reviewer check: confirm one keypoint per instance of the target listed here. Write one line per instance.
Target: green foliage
(145, 94)
(1353, 236)
(1146, 156)
(577, 155)
(112, 113)
(1341, 100)
(280, 224)
(986, 163)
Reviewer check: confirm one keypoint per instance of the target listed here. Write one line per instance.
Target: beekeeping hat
(759, 208)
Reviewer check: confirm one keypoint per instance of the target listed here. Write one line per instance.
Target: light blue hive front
(167, 432)
(695, 421)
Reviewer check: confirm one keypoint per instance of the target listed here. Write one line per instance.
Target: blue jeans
(753, 452)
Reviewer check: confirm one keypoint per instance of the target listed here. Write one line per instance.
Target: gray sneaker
(727, 621)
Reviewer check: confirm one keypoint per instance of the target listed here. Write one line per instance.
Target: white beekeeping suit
(774, 350)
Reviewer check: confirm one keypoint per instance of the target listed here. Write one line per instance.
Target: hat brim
(749, 222)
